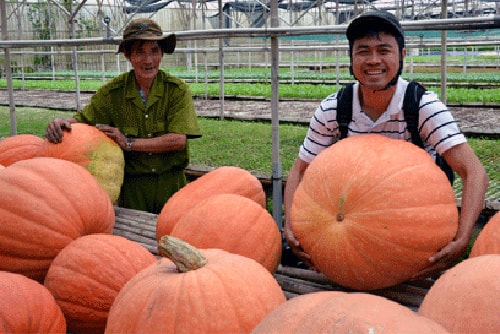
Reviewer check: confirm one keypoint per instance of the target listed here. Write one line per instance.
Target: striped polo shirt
(437, 127)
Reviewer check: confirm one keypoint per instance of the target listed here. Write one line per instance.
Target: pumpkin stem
(183, 255)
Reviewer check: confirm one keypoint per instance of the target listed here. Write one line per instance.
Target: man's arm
(169, 142)
(466, 164)
(294, 177)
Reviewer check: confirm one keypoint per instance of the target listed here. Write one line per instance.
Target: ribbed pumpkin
(19, 147)
(88, 147)
(26, 306)
(371, 210)
(488, 240)
(223, 180)
(235, 224)
(341, 312)
(466, 298)
(206, 291)
(46, 203)
(86, 276)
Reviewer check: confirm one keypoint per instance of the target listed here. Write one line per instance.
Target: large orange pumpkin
(45, 203)
(341, 312)
(371, 210)
(235, 224)
(223, 180)
(206, 291)
(26, 306)
(488, 240)
(19, 147)
(88, 147)
(86, 276)
(466, 298)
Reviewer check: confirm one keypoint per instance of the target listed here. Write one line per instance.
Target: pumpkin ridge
(9, 240)
(69, 271)
(234, 303)
(24, 192)
(242, 281)
(388, 179)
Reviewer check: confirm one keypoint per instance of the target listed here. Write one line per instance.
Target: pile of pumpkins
(62, 270)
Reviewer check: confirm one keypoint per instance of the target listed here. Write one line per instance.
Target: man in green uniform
(149, 113)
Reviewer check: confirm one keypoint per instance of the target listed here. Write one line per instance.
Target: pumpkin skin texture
(488, 240)
(19, 147)
(46, 203)
(342, 312)
(235, 224)
(26, 306)
(88, 147)
(86, 276)
(224, 293)
(466, 298)
(223, 180)
(371, 210)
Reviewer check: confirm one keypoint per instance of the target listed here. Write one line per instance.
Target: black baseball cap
(374, 20)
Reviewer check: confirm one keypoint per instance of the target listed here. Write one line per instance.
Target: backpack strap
(411, 108)
(344, 109)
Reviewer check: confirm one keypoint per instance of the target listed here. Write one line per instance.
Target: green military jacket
(169, 109)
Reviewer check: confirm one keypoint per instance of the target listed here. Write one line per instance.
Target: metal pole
(277, 176)
(221, 64)
(8, 70)
(444, 13)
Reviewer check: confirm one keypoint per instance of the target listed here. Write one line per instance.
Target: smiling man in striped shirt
(377, 51)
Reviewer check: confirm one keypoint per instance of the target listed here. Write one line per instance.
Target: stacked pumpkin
(226, 209)
(47, 203)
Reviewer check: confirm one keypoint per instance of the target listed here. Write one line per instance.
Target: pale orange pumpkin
(26, 306)
(488, 240)
(19, 147)
(223, 180)
(466, 298)
(86, 276)
(205, 291)
(88, 147)
(342, 312)
(235, 224)
(46, 203)
(371, 210)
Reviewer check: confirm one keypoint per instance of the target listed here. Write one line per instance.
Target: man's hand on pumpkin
(443, 260)
(295, 246)
(54, 131)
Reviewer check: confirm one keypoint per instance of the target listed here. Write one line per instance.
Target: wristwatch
(128, 144)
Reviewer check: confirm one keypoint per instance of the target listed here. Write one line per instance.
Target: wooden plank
(138, 226)
(299, 281)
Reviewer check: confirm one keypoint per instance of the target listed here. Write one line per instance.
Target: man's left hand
(442, 260)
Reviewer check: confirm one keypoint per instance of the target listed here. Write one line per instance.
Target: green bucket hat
(149, 30)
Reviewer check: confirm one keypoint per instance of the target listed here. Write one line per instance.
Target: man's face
(145, 58)
(375, 60)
